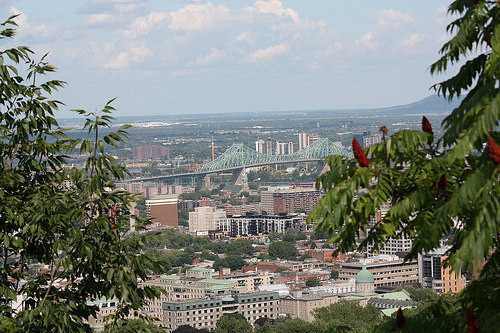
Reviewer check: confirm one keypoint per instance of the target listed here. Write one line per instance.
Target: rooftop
(301, 296)
(291, 190)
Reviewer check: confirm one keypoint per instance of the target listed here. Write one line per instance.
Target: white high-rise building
(303, 140)
(205, 219)
(260, 146)
(290, 148)
(269, 147)
(281, 148)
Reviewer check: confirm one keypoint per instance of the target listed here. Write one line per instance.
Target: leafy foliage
(288, 236)
(349, 316)
(313, 282)
(189, 329)
(443, 314)
(288, 326)
(133, 326)
(233, 262)
(64, 232)
(232, 323)
(283, 250)
(239, 247)
(437, 188)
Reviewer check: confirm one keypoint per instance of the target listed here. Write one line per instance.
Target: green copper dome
(364, 276)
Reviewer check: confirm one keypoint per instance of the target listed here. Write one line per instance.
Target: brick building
(162, 210)
(289, 200)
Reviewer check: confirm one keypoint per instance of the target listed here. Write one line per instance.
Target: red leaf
(426, 125)
(493, 150)
(359, 154)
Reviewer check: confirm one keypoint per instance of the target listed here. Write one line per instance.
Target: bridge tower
(207, 182)
(242, 179)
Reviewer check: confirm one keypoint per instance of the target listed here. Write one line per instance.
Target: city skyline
(179, 57)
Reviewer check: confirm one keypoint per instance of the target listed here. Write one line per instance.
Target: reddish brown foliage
(472, 325)
(400, 319)
(442, 183)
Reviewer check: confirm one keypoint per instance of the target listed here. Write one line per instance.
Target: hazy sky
(172, 56)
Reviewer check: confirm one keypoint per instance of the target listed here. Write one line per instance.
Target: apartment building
(150, 152)
(255, 225)
(288, 200)
(303, 140)
(260, 146)
(387, 270)
(204, 313)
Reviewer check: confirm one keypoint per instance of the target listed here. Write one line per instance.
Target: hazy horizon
(220, 56)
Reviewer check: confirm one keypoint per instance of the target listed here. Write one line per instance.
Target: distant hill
(432, 104)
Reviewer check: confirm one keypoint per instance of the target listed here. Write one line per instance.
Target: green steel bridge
(239, 156)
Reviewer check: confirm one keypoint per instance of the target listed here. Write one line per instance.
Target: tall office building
(290, 148)
(162, 210)
(433, 273)
(260, 146)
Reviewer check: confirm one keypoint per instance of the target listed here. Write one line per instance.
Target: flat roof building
(162, 210)
(386, 270)
(255, 225)
(205, 219)
(204, 313)
(279, 200)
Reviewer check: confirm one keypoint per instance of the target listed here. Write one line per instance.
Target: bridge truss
(240, 156)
